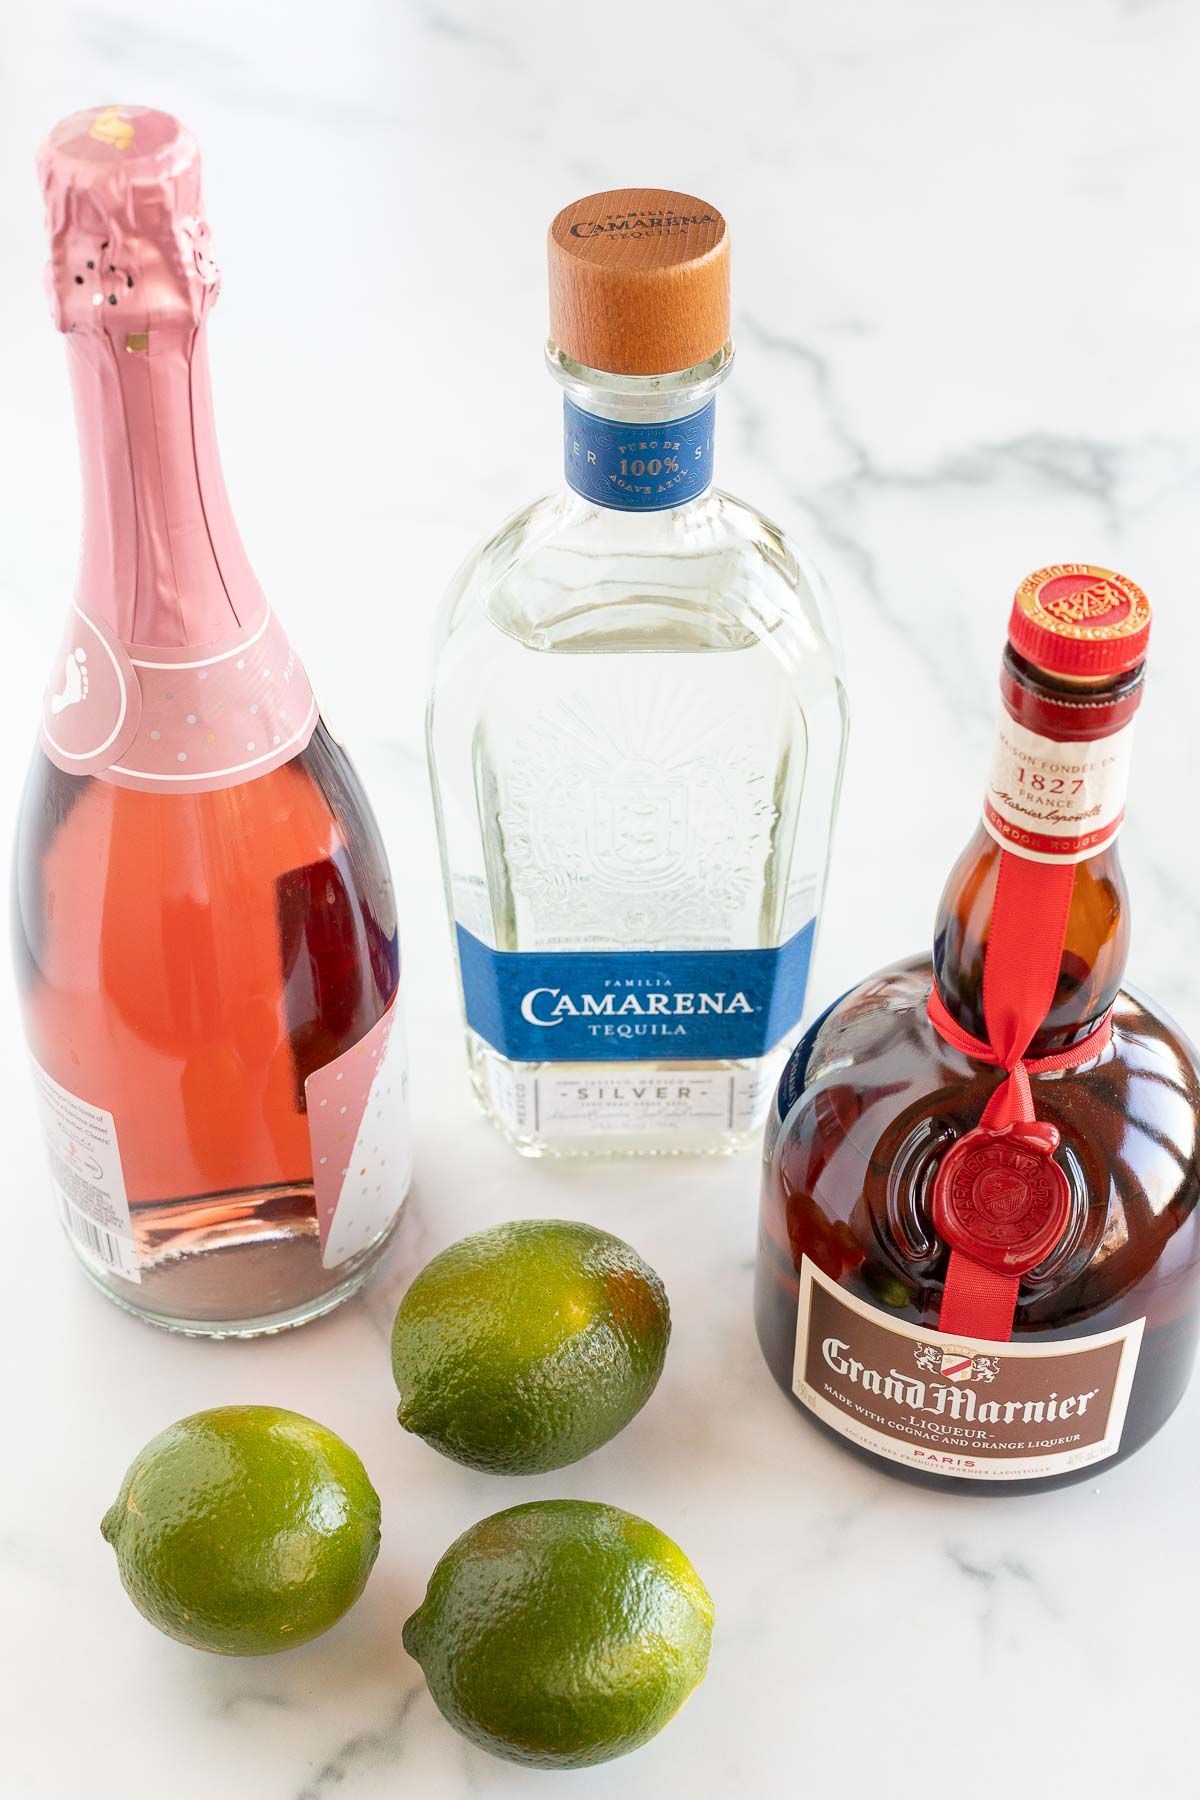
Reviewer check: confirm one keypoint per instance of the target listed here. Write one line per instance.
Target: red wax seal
(1000, 1197)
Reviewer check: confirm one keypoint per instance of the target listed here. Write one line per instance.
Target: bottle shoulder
(564, 574)
(873, 1098)
(278, 828)
(878, 1038)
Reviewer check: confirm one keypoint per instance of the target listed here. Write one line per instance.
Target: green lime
(523, 1348)
(562, 1633)
(244, 1529)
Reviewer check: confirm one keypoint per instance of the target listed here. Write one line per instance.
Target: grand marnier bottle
(204, 922)
(979, 1242)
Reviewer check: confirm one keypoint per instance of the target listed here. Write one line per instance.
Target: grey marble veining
(965, 288)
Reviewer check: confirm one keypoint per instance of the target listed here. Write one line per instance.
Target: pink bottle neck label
(180, 720)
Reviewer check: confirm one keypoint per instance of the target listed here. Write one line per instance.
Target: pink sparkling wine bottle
(205, 927)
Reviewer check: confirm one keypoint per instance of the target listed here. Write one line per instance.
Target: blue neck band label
(634, 1005)
(638, 468)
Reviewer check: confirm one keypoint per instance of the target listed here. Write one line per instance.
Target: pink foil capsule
(173, 675)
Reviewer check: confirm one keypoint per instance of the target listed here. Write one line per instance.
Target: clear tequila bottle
(636, 732)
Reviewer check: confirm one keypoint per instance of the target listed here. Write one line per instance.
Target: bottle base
(190, 1294)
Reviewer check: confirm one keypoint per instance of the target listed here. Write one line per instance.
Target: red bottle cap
(1077, 620)
(1000, 1198)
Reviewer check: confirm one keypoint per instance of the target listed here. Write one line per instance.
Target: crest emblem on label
(956, 1363)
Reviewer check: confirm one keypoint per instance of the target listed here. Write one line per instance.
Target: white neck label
(1053, 802)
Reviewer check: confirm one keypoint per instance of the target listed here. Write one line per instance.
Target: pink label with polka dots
(175, 720)
(358, 1124)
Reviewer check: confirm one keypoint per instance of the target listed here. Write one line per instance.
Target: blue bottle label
(638, 468)
(634, 1005)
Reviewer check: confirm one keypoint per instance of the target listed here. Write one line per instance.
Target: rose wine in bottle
(205, 926)
(979, 1260)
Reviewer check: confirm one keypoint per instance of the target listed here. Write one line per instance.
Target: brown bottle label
(954, 1406)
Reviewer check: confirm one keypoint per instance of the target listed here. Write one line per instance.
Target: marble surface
(965, 270)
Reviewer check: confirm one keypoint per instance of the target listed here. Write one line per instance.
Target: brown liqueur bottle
(979, 1243)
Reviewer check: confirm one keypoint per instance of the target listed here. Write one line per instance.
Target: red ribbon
(1014, 1096)
(1020, 973)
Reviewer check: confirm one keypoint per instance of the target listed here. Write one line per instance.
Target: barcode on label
(85, 1167)
(115, 1255)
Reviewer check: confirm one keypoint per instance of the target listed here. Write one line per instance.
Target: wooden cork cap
(639, 281)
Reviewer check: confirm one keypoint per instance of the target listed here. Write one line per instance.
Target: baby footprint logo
(90, 666)
(75, 682)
